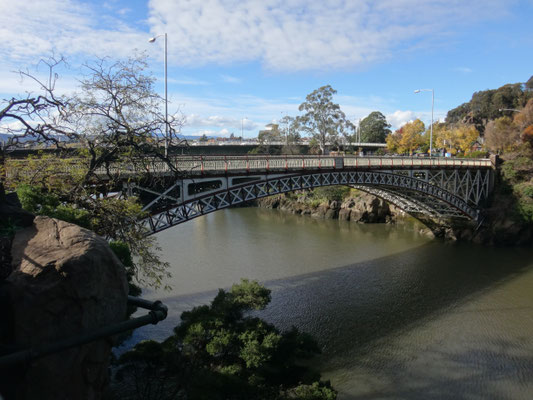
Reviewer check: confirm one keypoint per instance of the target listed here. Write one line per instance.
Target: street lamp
(152, 40)
(432, 105)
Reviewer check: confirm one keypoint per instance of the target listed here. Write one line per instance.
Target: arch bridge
(438, 189)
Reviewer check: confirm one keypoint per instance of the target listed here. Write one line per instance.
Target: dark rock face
(364, 208)
(65, 281)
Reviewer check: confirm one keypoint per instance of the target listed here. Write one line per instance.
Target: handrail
(251, 163)
(158, 312)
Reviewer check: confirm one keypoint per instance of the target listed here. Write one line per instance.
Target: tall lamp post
(152, 40)
(432, 105)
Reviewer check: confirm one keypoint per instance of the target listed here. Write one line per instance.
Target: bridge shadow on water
(360, 312)
(363, 313)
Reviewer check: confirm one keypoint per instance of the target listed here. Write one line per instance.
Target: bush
(331, 193)
(477, 154)
(221, 352)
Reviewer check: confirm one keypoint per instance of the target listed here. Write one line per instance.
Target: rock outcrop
(65, 281)
(363, 208)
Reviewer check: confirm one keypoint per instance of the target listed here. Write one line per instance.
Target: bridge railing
(250, 163)
(290, 162)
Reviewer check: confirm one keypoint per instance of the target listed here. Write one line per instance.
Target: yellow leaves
(393, 141)
(455, 139)
(406, 139)
(411, 138)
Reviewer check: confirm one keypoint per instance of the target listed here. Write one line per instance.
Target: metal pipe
(158, 312)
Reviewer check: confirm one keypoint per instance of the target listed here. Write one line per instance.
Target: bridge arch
(416, 196)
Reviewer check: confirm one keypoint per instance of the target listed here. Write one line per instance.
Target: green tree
(270, 135)
(374, 128)
(486, 105)
(219, 351)
(323, 119)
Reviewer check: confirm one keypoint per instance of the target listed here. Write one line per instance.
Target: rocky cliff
(361, 208)
(64, 280)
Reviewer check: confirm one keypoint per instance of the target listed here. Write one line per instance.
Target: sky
(236, 65)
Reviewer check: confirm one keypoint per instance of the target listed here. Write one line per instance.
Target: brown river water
(398, 316)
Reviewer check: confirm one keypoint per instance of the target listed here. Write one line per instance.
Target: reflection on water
(398, 316)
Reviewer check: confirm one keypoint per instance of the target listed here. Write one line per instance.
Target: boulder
(344, 214)
(65, 281)
(331, 213)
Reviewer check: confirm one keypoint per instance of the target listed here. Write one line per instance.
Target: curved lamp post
(432, 104)
(152, 40)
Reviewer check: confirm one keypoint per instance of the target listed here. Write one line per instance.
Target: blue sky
(239, 64)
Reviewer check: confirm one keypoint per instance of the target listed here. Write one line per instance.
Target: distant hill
(486, 104)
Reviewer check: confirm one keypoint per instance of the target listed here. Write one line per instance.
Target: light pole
(152, 40)
(432, 105)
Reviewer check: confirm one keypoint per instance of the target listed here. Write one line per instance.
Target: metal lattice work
(434, 193)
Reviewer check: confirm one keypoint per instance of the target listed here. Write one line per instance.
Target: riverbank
(343, 204)
(499, 225)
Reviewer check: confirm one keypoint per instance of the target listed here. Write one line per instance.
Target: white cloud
(280, 34)
(69, 27)
(399, 118)
(195, 120)
(300, 34)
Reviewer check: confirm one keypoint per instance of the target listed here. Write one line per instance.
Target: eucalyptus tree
(323, 119)
(374, 128)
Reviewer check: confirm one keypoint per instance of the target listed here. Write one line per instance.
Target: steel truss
(433, 193)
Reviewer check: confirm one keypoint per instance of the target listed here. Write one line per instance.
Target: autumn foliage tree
(456, 139)
(524, 122)
(407, 139)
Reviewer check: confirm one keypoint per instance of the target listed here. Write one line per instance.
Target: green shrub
(35, 200)
(477, 154)
(331, 193)
(220, 351)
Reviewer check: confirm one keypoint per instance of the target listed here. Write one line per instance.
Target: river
(398, 316)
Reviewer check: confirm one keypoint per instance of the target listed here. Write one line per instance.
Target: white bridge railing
(252, 163)
(220, 164)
